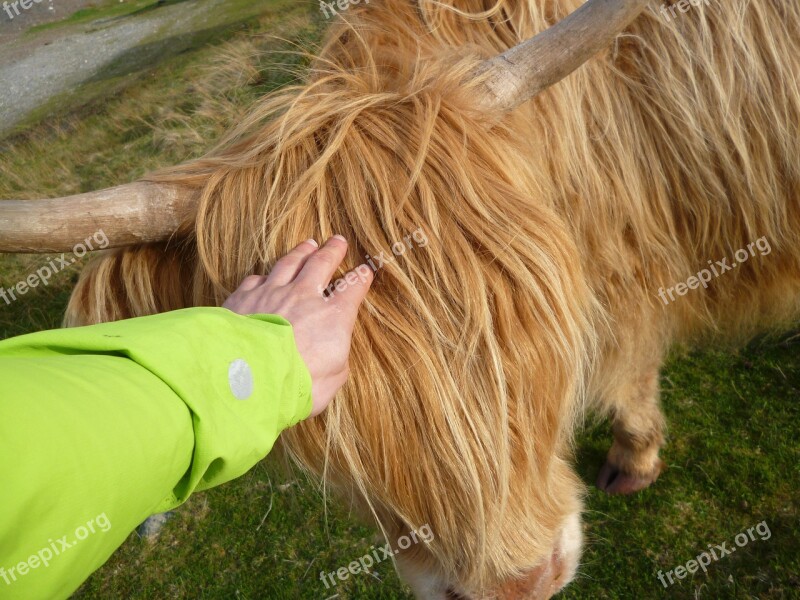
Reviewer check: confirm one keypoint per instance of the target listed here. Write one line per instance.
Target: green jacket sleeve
(102, 426)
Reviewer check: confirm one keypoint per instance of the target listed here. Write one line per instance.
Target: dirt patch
(12, 25)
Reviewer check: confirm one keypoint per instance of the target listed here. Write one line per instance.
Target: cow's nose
(540, 583)
(547, 582)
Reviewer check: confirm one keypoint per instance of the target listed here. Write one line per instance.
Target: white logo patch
(240, 378)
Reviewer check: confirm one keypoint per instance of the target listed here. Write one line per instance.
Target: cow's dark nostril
(452, 595)
(607, 476)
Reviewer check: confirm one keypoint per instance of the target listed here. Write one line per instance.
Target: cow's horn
(126, 214)
(523, 71)
(147, 212)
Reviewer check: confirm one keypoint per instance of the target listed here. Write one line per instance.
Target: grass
(103, 10)
(735, 417)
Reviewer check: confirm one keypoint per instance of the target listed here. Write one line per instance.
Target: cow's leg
(638, 426)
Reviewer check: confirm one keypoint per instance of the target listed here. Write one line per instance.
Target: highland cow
(555, 206)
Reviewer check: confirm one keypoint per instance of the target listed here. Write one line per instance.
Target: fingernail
(313, 242)
(340, 237)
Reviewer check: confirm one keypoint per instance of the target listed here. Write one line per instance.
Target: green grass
(734, 417)
(108, 9)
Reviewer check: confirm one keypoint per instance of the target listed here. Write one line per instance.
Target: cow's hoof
(612, 480)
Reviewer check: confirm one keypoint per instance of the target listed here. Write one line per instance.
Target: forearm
(102, 426)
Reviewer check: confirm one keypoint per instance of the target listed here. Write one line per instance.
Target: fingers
(251, 282)
(287, 268)
(353, 295)
(319, 268)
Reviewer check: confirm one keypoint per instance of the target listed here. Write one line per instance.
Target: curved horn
(127, 214)
(149, 212)
(523, 71)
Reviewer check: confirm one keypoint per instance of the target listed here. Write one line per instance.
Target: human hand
(323, 327)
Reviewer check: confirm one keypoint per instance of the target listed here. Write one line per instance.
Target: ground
(733, 450)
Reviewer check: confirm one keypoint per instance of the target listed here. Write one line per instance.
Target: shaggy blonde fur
(550, 231)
